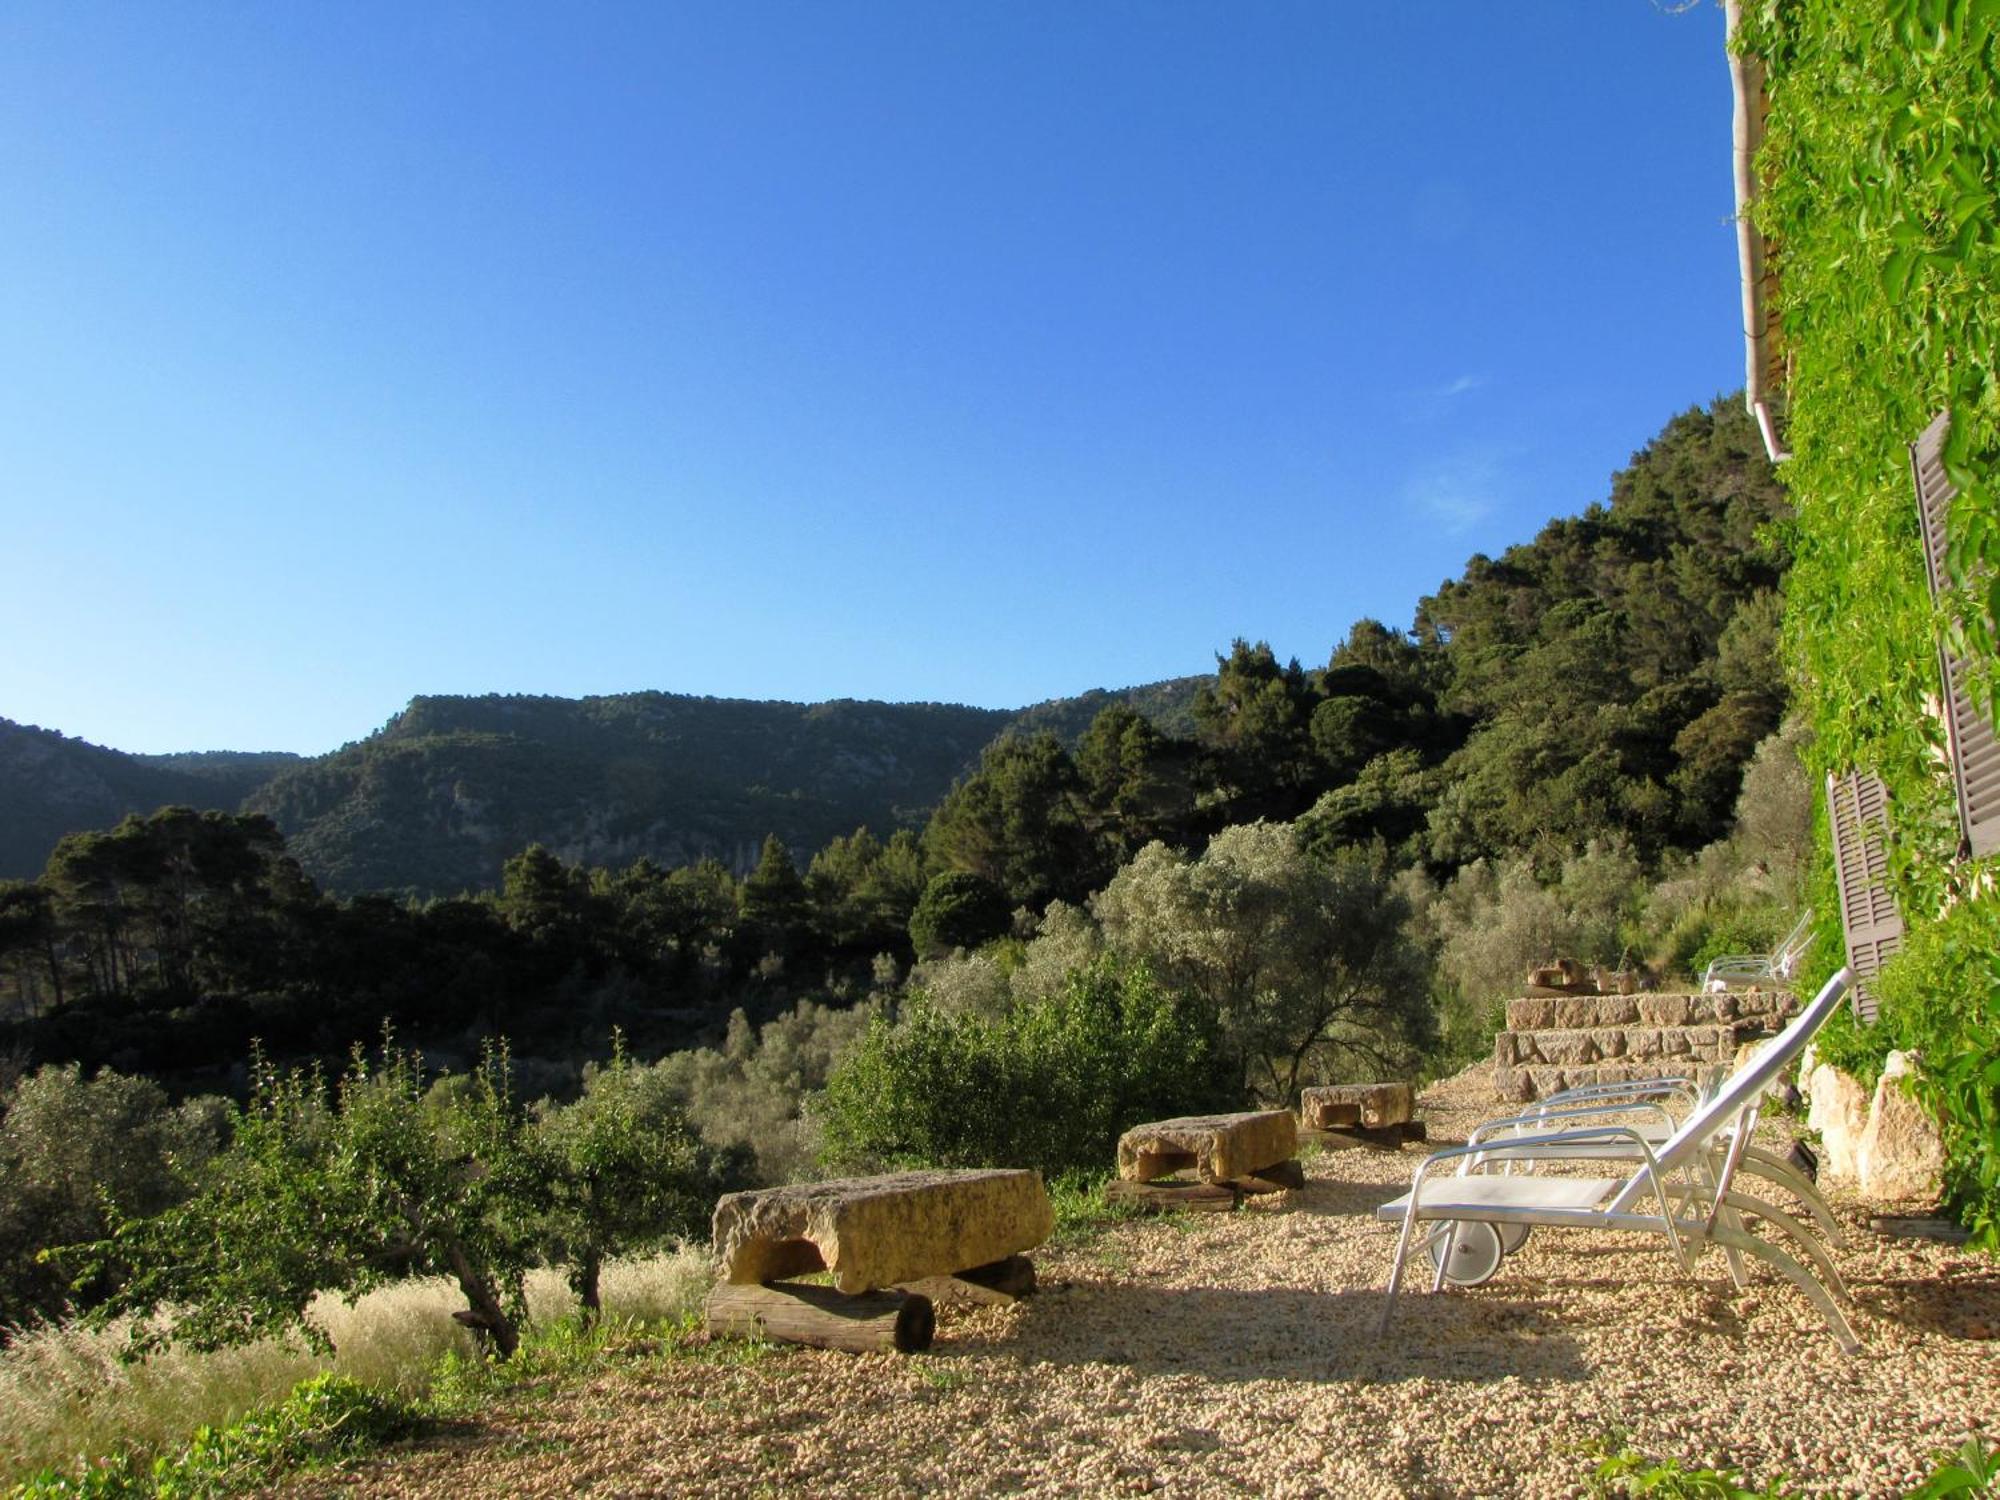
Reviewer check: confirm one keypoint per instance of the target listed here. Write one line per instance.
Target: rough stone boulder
(881, 1231)
(1839, 1112)
(1901, 1153)
(1371, 1105)
(1218, 1147)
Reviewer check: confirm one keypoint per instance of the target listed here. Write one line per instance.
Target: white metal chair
(1684, 1190)
(1755, 968)
(1644, 1102)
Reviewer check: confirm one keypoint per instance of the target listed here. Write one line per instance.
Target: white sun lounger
(1683, 1190)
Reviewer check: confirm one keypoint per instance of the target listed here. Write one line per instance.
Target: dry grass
(65, 1395)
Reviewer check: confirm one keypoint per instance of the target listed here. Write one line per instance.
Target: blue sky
(975, 352)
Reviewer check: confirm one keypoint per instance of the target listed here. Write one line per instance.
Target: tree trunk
(483, 1309)
(584, 1278)
(802, 1313)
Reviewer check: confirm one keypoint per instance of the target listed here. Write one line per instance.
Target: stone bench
(1230, 1156)
(891, 1243)
(1381, 1115)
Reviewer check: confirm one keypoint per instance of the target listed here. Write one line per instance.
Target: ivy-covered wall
(1880, 168)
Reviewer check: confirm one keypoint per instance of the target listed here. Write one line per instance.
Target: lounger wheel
(1471, 1255)
(1513, 1237)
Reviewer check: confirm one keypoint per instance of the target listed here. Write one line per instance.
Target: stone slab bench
(1372, 1106)
(875, 1232)
(1231, 1157)
(1218, 1147)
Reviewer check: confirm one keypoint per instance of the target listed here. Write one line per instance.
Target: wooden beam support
(801, 1313)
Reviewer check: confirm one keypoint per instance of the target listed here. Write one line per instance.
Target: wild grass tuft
(66, 1396)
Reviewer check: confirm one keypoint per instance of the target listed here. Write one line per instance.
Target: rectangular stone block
(1218, 1147)
(1530, 1014)
(880, 1231)
(1566, 1048)
(1513, 1085)
(1610, 1043)
(1379, 1104)
(1642, 1043)
(1664, 1010)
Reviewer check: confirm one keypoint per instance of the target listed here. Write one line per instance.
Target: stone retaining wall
(1560, 1042)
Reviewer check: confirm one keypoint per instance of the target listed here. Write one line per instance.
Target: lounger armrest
(1540, 1145)
(1686, 1090)
(1484, 1130)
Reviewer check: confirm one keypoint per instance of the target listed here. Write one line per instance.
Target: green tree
(387, 1175)
(957, 910)
(1305, 962)
(773, 898)
(1137, 781)
(28, 944)
(625, 1172)
(1020, 822)
(542, 898)
(76, 1154)
(1255, 722)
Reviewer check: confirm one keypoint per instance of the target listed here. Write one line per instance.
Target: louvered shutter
(1856, 805)
(1975, 752)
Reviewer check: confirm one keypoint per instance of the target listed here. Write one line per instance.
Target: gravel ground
(1236, 1354)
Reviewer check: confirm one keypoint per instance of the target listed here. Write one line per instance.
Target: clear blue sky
(976, 352)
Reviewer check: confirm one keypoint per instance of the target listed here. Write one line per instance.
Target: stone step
(1638, 1044)
(1766, 1008)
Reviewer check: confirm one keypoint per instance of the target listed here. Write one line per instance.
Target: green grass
(1081, 1212)
(68, 1400)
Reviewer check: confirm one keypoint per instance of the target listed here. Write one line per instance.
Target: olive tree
(1304, 959)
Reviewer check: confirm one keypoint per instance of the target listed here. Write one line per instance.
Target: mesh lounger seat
(1683, 1190)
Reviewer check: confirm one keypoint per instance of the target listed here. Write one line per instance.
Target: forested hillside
(451, 787)
(51, 785)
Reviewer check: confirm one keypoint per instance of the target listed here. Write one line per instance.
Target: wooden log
(801, 1313)
(998, 1285)
(1285, 1177)
(1160, 1197)
(1894, 1226)
(1388, 1138)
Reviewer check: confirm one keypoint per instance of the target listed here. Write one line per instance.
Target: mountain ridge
(432, 801)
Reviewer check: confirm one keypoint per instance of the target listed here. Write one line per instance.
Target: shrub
(958, 910)
(1051, 1084)
(746, 1098)
(1939, 998)
(73, 1150)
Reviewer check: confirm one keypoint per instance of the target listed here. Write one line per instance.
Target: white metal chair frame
(1690, 1176)
(1750, 1157)
(1749, 968)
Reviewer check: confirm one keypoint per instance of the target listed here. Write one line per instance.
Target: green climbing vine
(1881, 163)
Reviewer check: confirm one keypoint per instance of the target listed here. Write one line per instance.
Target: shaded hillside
(51, 785)
(1169, 705)
(451, 787)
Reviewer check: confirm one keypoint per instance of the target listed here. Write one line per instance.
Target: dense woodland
(1281, 876)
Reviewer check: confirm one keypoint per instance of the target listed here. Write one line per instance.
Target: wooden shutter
(1969, 737)
(1856, 806)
